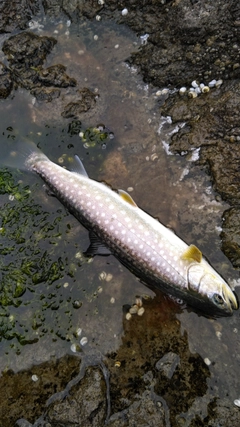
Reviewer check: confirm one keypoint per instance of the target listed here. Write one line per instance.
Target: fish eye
(218, 299)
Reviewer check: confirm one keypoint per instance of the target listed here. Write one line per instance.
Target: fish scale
(149, 249)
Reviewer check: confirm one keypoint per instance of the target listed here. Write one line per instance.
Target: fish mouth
(230, 298)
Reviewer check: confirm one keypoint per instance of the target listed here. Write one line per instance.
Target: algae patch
(31, 267)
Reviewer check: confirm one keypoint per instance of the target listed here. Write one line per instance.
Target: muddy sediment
(184, 41)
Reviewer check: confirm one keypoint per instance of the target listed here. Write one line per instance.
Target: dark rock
(22, 397)
(6, 83)
(56, 76)
(16, 14)
(45, 94)
(231, 235)
(145, 411)
(168, 363)
(85, 404)
(86, 101)
(28, 49)
(26, 53)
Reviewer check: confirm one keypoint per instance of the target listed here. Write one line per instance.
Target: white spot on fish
(123, 231)
(111, 206)
(102, 214)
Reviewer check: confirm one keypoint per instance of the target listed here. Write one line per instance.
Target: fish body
(149, 249)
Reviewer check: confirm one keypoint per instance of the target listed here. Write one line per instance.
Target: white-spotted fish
(149, 249)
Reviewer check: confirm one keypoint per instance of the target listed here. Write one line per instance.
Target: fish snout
(230, 297)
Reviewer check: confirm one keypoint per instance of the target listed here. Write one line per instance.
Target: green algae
(26, 230)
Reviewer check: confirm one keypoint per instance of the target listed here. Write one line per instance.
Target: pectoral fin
(127, 198)
(96, 247)
(192, 253)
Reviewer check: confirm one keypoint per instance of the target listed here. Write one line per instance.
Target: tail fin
(24, 155)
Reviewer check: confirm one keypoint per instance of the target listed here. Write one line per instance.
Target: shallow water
(64, 292)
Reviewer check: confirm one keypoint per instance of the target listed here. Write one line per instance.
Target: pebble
(34, 378)
(128, 316)
(124, 12)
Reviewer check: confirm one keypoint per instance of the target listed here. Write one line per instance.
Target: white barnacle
(194, 84)
(205, 89)
(83, 341)
(133, 309)
(218, 83)
(212, 83)
(192, 94)
(237, 402)
(102, 275)
(182, 90)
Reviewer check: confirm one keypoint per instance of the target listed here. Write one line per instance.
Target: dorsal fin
(78, 167)
(126, 197)
(192, 253)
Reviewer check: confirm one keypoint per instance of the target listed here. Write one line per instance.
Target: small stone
(124, 12)
(35, 378)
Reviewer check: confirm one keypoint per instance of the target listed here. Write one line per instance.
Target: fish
(150, 250)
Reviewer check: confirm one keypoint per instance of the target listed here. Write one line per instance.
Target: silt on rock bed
(149, 249)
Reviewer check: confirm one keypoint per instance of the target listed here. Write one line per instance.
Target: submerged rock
(6, 82)
(16, 14)
(86, 101)
(28, 49)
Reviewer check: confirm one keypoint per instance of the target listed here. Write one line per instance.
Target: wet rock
(56, 76)
(45, 94)
(86, 101)
(26, 53)
(22, 397)
(231, 235)
(28, 49)
(15, 14)
(6, 83)
(168, 363)
(145, 411)
(84, 405)
(73, 10)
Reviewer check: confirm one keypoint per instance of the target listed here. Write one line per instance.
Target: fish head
(213, 290)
